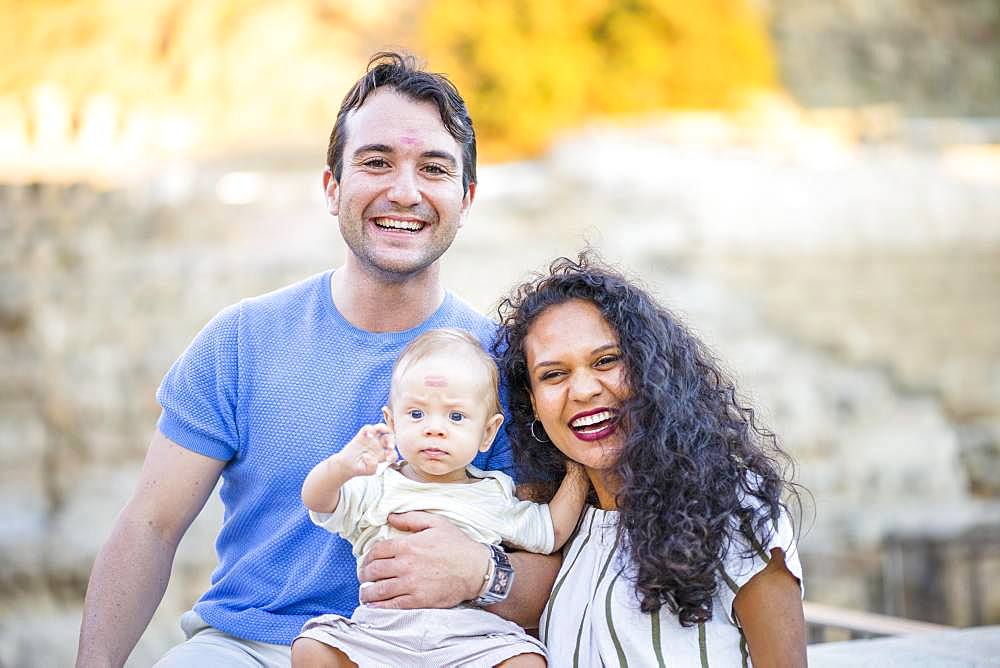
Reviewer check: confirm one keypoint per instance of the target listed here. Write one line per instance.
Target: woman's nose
(584, 385)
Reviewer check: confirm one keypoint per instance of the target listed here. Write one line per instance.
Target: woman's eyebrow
(606, 346)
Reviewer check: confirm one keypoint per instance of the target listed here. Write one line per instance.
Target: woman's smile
(594, 425)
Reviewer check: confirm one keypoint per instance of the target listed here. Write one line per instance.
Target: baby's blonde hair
(448, 339)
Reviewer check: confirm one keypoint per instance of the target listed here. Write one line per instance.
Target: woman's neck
(607, 485)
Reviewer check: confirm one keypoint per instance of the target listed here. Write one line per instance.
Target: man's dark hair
(401, 73)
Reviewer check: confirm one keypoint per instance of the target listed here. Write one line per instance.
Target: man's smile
(399, 224)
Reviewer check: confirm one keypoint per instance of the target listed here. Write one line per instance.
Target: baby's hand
(372, 445)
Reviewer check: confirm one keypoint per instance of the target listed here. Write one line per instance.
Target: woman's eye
(550, 375)
(416, 414)
(605, 360)
(455, 416)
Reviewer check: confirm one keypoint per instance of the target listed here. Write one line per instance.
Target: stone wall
(783, 249)
(931, 58)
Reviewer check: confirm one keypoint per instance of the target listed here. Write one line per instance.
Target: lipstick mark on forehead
(409, 140)
(435, 381)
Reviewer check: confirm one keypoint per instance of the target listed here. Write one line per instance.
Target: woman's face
(577, 382)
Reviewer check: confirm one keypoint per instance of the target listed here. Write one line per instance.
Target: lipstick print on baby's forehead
(435, 381)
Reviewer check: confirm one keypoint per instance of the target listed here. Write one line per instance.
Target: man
(275, 384)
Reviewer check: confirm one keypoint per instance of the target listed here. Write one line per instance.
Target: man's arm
(131, 571)
(439, 567)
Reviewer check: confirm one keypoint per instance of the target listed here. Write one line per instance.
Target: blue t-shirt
(272, 386)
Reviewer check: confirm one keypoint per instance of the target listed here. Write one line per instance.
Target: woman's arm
(566, 505)
(769, 608)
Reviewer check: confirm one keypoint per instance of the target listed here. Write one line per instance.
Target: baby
(443, 410)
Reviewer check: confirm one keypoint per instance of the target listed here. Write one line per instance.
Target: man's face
(399, 200)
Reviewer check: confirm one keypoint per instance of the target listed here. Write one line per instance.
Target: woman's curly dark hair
(693, 452)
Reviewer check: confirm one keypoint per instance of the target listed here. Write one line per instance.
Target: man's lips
(398, 224)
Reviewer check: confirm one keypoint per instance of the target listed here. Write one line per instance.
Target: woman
(688, 557)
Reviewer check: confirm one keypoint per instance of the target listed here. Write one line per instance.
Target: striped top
(593, 616)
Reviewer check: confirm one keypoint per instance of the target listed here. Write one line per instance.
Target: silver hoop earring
(535, 436)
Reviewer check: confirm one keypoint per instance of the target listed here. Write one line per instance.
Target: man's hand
(437, 566)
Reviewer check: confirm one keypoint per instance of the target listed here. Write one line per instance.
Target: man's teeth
(588, 420)
(393, 224)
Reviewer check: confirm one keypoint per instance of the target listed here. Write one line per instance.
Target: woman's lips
(594, 425)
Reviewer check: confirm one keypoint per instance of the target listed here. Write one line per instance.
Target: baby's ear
(490, 433)
(387, 417)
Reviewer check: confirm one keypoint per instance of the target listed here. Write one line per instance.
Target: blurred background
(813, 186)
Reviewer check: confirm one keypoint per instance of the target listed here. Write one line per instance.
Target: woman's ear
(490, 432)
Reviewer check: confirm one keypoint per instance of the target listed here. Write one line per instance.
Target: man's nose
(404, 190)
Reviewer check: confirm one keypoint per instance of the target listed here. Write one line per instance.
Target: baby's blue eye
(455, 416)
(416, 414)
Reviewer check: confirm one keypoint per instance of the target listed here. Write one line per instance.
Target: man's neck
(376, 303)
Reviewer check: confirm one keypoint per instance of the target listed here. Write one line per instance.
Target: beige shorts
(425, 637)
(208, 646)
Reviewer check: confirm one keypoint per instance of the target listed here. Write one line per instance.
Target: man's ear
(387, 417)
(331, 189)
(490, 432)
(470, 195)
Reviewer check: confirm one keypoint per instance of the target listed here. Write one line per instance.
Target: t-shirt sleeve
(199, 394)
(355, 495)
(738, 568)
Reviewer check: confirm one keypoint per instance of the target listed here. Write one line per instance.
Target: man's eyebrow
(440, 155)
(373, 148)
(385, 148)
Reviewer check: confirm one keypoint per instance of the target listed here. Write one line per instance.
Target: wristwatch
(500, 578)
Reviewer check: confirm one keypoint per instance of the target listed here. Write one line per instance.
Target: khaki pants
(208, 646)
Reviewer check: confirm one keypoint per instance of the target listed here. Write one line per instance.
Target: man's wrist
(499, 579)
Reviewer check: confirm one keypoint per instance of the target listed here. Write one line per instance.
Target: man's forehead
(390, 115)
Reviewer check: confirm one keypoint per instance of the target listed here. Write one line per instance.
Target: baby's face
(441, 415)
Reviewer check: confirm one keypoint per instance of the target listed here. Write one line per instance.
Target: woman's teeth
(595, 421)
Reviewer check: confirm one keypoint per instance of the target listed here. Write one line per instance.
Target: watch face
(501, 582)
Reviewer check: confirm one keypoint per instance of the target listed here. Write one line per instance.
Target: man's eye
(375, 163)
(455, 416)
(436, 170)
(416, 414)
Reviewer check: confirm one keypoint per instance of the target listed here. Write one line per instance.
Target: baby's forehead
(441, 369)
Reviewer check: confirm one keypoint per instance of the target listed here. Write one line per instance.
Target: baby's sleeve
(530, 527)
(344, 519)
(747, 557)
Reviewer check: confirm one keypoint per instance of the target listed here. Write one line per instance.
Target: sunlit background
(814, 186)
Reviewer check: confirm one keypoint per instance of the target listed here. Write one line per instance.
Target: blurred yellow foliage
(528, 68)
